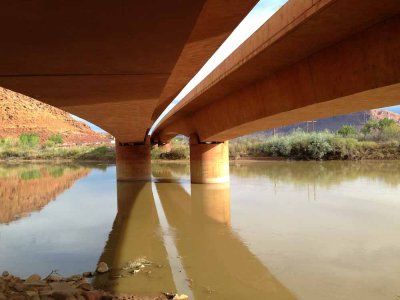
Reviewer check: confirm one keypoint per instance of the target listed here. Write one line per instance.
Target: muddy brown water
(278, 230)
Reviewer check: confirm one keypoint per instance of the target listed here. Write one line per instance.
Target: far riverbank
(377, 140)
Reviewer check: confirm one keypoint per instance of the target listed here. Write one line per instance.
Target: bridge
(119, 64)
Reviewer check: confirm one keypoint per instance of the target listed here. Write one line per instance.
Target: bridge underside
(113, 63)
(331, 58)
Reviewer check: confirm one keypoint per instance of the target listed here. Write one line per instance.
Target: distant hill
(21, 114)
(357, 119)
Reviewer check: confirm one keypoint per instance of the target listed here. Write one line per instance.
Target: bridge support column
(209, 163)
(133, 162)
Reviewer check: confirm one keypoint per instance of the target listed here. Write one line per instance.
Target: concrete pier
(133, 162)
(209, 163)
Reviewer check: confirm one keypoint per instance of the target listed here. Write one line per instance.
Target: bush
(29, 175)
(347, 130)
(384, 123)
(30, 140)
(56, 139)
(175, 153)
(370, 126)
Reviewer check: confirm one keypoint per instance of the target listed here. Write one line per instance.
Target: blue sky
(91, 125)
(258, 16)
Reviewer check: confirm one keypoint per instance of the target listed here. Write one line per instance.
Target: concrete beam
(358, 73)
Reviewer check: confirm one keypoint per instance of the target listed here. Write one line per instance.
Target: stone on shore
(102, 267)
(88, 274)
(33, 278)
(56, 287)
(54, 277)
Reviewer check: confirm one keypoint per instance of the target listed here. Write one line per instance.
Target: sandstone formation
(22, 114)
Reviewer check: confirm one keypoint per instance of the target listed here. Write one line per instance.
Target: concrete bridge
(119, 64)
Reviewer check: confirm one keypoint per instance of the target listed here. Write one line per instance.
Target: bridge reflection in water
(189, 238)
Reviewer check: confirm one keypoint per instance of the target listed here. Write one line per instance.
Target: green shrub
(371, 125)
(56, 139)
(391, 131)
(30, 140)
(384, 123)
(56, 171)
(29, 175)
(347, 130)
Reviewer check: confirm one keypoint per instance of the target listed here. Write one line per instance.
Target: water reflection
(324, 174)
(219, 263)
(195, 239)
(280, 230)
(28, 188)
(135, 234)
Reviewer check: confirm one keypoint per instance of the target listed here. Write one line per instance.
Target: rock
(5, 274)
(88, 274)
(63, 286)
(85, 287)
(16, 297)
(32, 294)
(62, 295)
(18, 287)
(169, 295)
(93, 295)
(102, 267)
(2, 296)
(39, 283)
(45, 293)
(54, 277)
(180, 297)
(33, 278)
(75, 277)
(44, 119)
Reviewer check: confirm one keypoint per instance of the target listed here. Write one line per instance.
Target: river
(278, 230)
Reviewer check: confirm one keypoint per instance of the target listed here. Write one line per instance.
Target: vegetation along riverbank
(377, 139)
(29, 146)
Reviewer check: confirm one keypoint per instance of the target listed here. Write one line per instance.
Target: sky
(258, 16)
(91, 125)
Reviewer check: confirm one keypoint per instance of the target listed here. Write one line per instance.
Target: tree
(347, 130)
(371, 125)
(385, 123)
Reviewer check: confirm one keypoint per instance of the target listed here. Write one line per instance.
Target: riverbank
(89, 153)
(376, 141)
(76, 287)
(278, 148)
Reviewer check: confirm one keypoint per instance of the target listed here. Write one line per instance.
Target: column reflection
(219, 265)
(136, 234)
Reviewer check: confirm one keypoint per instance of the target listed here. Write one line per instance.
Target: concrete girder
(299, 75)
